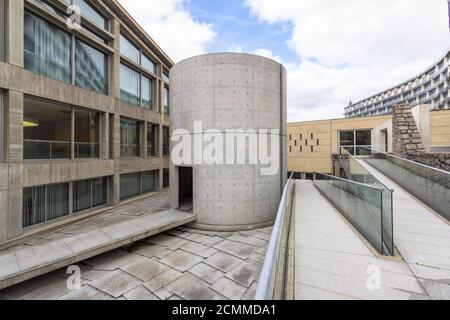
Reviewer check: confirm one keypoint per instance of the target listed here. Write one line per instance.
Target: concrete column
(116, 137)
(14, 31)
(3, 202)
(143, 131)
(14, 119)
(104, 136)
(115, 62)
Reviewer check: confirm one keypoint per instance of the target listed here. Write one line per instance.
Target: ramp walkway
(333, 262)
(421, 236)
(120, 227)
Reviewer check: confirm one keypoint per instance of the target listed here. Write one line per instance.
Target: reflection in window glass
(99, 188)
(356, 142)
(148, 64)
(146, 100)
(129, 138)
(90, 68)
(129, 85)
(57, 201)
(81, 195)
(148, 182)
(33, 208)
(88, 11)
(166, 141)
(347, 138)
(2, 30)
(47, 130)
(127, 49)
(47, 49)
(166, 101)
(364, 138)
(166, 178)
(87, 137)
(130, 185)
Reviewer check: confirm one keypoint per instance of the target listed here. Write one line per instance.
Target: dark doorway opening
(185, 188)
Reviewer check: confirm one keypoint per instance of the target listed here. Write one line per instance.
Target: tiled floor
(180, 264)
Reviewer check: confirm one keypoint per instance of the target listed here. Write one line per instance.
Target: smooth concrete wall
(231, 91)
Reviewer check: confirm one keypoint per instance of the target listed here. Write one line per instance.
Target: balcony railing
(47, 149)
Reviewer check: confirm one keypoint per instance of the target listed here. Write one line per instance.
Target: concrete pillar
(104, 136)
(143, 130)
(14, 130)
(115, 62)
(14, 30)
(116, 137)
(3, 202)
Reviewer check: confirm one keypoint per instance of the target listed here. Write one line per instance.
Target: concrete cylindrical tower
(229, 91)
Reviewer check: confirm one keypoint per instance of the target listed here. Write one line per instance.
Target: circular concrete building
(222, 100)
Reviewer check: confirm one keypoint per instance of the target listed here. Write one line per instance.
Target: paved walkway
(120, 227)
(179, 264)
(422, 238)
(332, 262)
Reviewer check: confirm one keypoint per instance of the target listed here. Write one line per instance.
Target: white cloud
(171, 26)
(354, 48)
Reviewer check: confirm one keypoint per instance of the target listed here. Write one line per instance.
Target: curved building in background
(428, 88)
(228, 91)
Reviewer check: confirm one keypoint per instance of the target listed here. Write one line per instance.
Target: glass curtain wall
(90, 68)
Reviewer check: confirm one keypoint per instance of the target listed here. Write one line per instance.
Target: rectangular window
(166, 78)
(147, 94)
(91, 70)
(129, 50)
(130, 185)
(166, 101)
(152, 140)
(130, 88)
(1, 125)
(148, 64)
(57, 201)
(356, 142)
(89, 194)
(33, 207)
(47, 130)
(87, 136)
(47, 49)
(90, 12)
(166, 141)
(129, 138)
(148, 182)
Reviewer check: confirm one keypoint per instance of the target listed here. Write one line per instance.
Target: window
(47, 130)
(90, 68)
(148, 64)
(48, 52)
(129, 138)
(89, 194)
(166, 77)
(90, 12)
(166, 141)
(152, 140)
(356, 142)
(47, 49)
(129, 85)
(128, 50)
(87, 137)
(135, 88)
(46, 203)
(136, 184)
(166, 101)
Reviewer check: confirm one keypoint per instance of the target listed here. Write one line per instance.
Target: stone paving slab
(147, 271)
(239, 250)
(82, 241)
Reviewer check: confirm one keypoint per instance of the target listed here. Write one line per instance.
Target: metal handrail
(265, 290)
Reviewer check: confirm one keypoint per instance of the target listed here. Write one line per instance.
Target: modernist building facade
(430, 87)
(84, 113)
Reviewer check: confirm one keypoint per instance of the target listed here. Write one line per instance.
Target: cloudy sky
(334, 50)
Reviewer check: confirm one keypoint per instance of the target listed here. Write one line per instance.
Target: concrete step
(81, 242)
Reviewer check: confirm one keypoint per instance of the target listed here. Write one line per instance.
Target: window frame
(71, 201)
(73, 38)
(72, 131)
(355, 146)
(141, 185)
(142, 75)
(138, 135)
